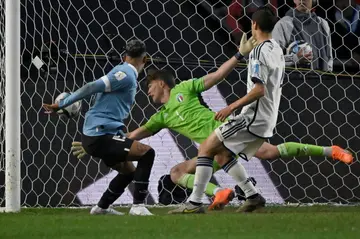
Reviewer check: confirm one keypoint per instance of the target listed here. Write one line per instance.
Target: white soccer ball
(295, 47)
(70, 111)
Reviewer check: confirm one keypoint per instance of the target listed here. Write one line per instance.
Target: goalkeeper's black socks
(116, 188)
(142, 175)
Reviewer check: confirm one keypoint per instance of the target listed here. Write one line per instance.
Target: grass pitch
(273, 222)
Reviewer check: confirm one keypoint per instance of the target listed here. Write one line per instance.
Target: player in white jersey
(244, 134)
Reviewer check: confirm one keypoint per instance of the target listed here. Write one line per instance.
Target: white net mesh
(80, 41)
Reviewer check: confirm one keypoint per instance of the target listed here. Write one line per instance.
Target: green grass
(273, 222)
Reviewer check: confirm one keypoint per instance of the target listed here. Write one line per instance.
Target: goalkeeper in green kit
(183, 113)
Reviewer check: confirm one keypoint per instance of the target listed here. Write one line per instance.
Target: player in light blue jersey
(103, 135)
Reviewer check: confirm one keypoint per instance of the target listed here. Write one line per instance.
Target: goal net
(79, 41)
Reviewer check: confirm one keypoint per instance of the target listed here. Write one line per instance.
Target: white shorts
(236, 137)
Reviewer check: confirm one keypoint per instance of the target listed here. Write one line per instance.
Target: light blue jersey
(115, 96)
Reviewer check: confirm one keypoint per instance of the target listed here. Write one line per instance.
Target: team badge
(120, 75)
(180, 97)
(256, 69)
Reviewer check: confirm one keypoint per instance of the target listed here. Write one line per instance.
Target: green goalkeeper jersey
(184, 113)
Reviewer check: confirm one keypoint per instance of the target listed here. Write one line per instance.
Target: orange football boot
(222, 198)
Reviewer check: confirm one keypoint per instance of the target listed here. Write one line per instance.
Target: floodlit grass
(273, 222)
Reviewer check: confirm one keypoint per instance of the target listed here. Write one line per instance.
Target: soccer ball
(295, 47)
(70, 111)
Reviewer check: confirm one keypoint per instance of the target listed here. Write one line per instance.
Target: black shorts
(112, 149)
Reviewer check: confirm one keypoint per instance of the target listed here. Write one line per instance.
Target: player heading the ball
(103, 135)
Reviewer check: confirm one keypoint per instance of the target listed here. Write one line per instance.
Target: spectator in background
(304, 37)
(347, 30)
(239, 15)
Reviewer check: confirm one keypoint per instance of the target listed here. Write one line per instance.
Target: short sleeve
(116, 80)
(259, 69)
(155, 123)
(195, 85)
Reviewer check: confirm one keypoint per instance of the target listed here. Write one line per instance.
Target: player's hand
(223, 114)
(51, 108)
(246, 45)
(78, 150)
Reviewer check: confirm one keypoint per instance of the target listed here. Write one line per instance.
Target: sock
(204, 169)
(187, 181)
(238, 173)
(116, 188)
(292, 149)
(142, 175)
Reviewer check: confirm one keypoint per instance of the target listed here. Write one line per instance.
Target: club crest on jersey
(120, 75)
(180, 97)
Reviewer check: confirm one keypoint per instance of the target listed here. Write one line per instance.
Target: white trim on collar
(133, 67)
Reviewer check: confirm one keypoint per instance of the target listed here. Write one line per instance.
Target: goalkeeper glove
(78, 150)
(247, 45)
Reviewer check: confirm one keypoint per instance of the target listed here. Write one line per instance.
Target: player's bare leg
(292, 149)
(208, 149)
(222, 196)
(183, 174)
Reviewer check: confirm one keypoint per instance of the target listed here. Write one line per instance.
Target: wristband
(238, 56)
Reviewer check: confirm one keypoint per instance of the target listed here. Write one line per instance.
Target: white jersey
(267, 66)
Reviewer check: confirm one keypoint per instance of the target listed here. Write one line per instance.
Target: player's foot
(188, 208)
(222, 198)
(139, 210)
(341, 154)
(96, 210)
(253, 204)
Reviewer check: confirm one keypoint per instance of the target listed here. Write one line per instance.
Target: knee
(223, 158)
(204, 150)
(175, 174)
(270, 153)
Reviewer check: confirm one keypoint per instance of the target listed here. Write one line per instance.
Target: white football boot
(139, 210)
(96, 210)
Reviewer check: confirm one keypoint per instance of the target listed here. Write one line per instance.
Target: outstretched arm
(224, 70)
(256, 93)
(85, 91)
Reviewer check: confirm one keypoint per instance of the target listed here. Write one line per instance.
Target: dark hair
(163, 75)
(265, 18)
(135, 48)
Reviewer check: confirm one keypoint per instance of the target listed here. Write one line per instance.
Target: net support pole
(12, 106)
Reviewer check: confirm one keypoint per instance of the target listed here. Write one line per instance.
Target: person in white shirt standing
(245, 133)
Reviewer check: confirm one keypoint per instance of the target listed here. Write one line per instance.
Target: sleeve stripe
(258, 49)
(106, 81)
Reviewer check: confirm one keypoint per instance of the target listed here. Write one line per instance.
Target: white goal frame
(12, 106)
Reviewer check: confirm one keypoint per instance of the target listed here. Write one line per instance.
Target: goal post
(65, 44)
(12, 106)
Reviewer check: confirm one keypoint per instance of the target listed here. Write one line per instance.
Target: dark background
(315, 108)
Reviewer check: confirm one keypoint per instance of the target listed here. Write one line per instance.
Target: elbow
(261, 91)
